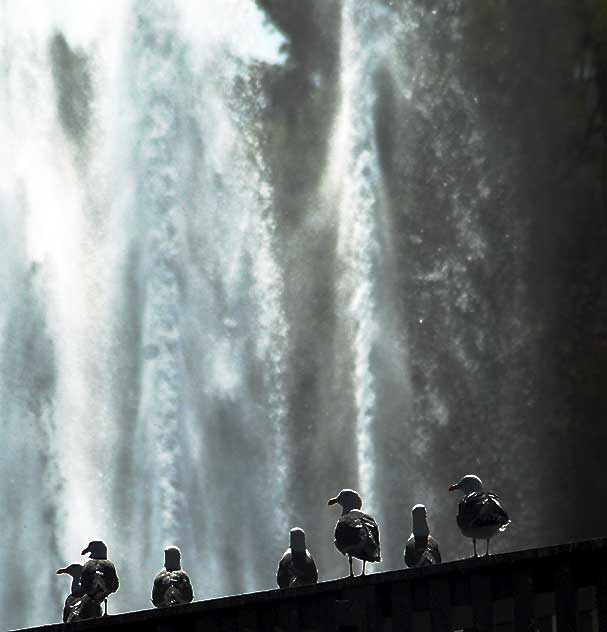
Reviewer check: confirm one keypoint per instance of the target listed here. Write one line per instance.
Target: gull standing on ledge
(172, 586)
(297, 566)
(480, 514)
(356, 533)
(72, 610)
(422, 548)
(99, 578)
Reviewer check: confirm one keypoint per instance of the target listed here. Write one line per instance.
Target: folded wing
(357, 534)
(171, 588)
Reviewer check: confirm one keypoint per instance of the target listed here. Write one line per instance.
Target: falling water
(144, 339)
(186, 361)
(366, 285)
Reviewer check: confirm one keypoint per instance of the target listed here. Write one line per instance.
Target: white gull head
(469, 484)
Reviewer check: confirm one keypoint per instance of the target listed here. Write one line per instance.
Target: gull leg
(105, 604)
(351, 571)
(364, 563)
(487, 551)
(474, 546)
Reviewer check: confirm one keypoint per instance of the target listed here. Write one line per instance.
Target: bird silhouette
(421, 549)
(480, 514)
(297, 566)
(73, 609)
(356, 533)
(172, 586)
(99, 578)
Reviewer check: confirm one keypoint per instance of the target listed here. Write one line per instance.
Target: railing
(560, 588)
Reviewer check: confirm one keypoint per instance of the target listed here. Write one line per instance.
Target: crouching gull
(480, 514)
(172, 586)
(356, 533)
(422, 548)
(99, 578)
(297, 566)
(73, 609)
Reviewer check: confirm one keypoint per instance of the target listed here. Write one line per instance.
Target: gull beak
(454, 487)
(87, 550)
(61, 571)
(332, 501)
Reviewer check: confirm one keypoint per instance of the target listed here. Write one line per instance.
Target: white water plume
(159, 388)
(368, 36)
(140, 218)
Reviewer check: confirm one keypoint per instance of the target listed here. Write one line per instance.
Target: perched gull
(99, 578)
(356, 533)
(172, 586)
(73, 610)
(480, 515)
(297, 566)
(422, 548)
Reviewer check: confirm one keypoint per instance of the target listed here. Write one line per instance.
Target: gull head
(348, 499)
(73, 570)
(420, 523)
(297, 540)
(96, 549)
(469, 484)
(172, 558)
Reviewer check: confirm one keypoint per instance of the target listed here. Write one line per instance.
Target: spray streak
(356, 168)
(272, 346)
(157, 61)
(29, 466)
(209, 264)
(272, 341)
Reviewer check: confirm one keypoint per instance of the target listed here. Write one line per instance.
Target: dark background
(527, 407)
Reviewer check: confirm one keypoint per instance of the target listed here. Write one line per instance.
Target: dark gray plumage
(480, 514)
(297, 566)
(356, 533)
(421, 549)
(99, 578)
(172, 586)
(73, 609)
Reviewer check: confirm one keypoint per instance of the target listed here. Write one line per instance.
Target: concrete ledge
(364, 603)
